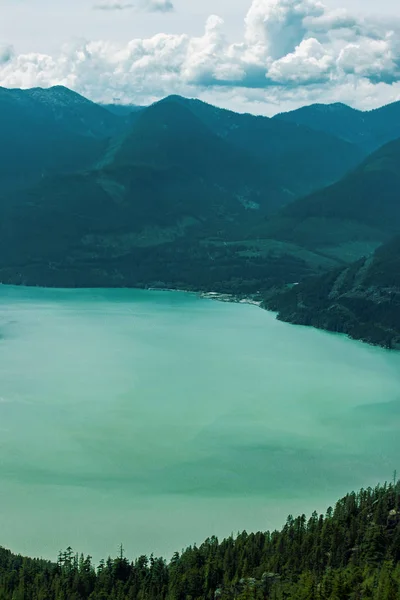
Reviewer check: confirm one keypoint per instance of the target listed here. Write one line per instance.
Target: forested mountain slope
(350, 553)
(305, 159)
(361, 299)
(170, 203)
(184, 195)
(350, 218)
(368, 129)
(45, 131)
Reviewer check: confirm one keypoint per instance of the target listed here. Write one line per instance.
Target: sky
(260, 56)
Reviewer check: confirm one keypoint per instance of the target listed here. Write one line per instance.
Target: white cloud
(279, 25)
(290, 49)
(371, 59)
(310, 63)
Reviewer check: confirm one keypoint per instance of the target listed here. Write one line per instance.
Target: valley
(199, 300)
(184, 195)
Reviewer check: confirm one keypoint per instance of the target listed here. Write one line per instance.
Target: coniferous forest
(350, 553)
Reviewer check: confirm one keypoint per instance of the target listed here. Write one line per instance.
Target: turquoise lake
(157, 419)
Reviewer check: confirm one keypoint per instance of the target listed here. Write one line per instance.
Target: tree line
(350, 553)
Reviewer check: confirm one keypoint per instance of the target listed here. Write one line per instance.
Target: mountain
(350, 218)
(361, 299)
(170, 203)
(351, 552)
(155, 210)
(305, 159)
(46, 131)
(368, 129)
(189, 195)
(122, 109)
(168, 135)
(60, 106)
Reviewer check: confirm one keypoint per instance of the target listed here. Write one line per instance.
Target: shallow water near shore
(157, 419)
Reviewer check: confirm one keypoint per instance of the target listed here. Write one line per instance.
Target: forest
(350, 553)
(361, 299)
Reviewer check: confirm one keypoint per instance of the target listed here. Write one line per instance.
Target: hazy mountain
(368, 129)
(183, 197)
(122, 109)
(168, 135)
(55, 130)
(61, 106)
(350, 218)
(361, 299)
(50, 130)
(162, 190)
(170, 201)
(304, 158)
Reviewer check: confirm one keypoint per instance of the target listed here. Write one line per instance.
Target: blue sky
(257, 55)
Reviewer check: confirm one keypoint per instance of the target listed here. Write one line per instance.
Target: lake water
(157, 419)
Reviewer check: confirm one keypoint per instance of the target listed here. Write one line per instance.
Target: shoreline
(220, 297)
(227, 298)
(217, 296)
(254, 300)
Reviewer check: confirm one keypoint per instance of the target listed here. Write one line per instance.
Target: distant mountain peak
(58, 95)
(321, 108)
(173, 98)
(368, 129)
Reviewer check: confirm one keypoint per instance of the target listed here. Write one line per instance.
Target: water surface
(157, 419)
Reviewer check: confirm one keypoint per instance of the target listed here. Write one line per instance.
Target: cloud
(310, 63)
(159, 6)
(279, 25)
(145, 5)
(371, 59)
(112, 6)
(290, 49)
(6, 53)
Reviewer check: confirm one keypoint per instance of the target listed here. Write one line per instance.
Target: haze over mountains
(368, 129)
(184, 194)
(46, 131)
(350, 218)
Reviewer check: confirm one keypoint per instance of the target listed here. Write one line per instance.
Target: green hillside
(170, 204)
(191, 196)
(350, 218)
(368, 129)
(303, 158)
(169, 135)
(350, 553)
(361, 299)
(48, 131)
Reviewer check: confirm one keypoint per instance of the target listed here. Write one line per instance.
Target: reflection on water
(158, 419)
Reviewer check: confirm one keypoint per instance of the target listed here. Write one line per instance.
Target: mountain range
(183, 194)
(47, 131)
(367, 129)
(350, 218)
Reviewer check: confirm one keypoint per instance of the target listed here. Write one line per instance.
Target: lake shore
(218, 296)
(230, 298)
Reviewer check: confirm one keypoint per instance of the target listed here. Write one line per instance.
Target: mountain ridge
(368, 129)
(189, 196)
(314, 158)
(168, 193)
(47, 131)
(343, 220)
(361, 300)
